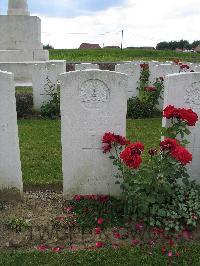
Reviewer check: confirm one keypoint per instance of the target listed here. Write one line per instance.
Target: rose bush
(156, 193)
(145, 104)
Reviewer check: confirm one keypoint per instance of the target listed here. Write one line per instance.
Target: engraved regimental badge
(94, 94)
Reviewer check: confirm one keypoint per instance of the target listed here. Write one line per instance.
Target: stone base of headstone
(10, 194)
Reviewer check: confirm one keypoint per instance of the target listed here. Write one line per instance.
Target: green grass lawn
(24, 90)
(40, 146)
(41, 164)
(104, 257)
(115, 55)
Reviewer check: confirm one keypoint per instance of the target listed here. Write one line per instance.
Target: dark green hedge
(24, 104)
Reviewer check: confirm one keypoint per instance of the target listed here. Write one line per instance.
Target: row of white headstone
(92, 102)
(46, 75)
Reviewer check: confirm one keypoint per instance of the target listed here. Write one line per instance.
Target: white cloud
(145, 23)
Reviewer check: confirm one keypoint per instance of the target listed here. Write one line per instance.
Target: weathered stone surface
(161, 70)
(20, 33)
(92, 102)
(44, 79)
(10, 165)
(133, 72)
(18, 7)
(183, 90)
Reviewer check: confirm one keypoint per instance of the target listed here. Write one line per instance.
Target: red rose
(99, 244)
(171, 242)
(136, 148)
(77, 197)
(132, 160)
(107, 148)
(131, 155)
(153, 152)
(42, 248)
(121, 140)
(135, 242)
(149, 88)
(182, 155)
(194, 216)
(186, 115)
(170, 254)
(103, 198)
(168, 144)
(144, 66)
(60, 218)
(97, 230)
(168, 112)
(183, 66)
(138, 227)
(100, 220)
(186, 234)
(117, 235)
(56, 249)
(69, 209)
(108, 138)
(189, 116)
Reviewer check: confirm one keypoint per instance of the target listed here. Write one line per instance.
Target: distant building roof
(89, 46)
(197, 49)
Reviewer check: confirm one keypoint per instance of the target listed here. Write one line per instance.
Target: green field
(40, 146)
(116, 55)
(104, 257)
(24, 90)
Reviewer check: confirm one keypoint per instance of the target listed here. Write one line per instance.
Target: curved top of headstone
(18, 7)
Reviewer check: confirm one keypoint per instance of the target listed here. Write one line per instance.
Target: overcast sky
(68, 23)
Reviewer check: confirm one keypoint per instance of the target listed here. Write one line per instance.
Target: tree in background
(173, 45)
(48, 47)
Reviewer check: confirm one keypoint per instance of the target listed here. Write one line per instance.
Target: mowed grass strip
(24, 90)
(40, 146)
(103, 257)
(116, 55)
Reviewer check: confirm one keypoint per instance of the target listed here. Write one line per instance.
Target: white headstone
(44, 78)
(163, 70)
(92, 102)
(152, 69)
(60, 66)
(197, 68)
(10, 164)
(85, 66)
(183, 91)
(133, 73)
